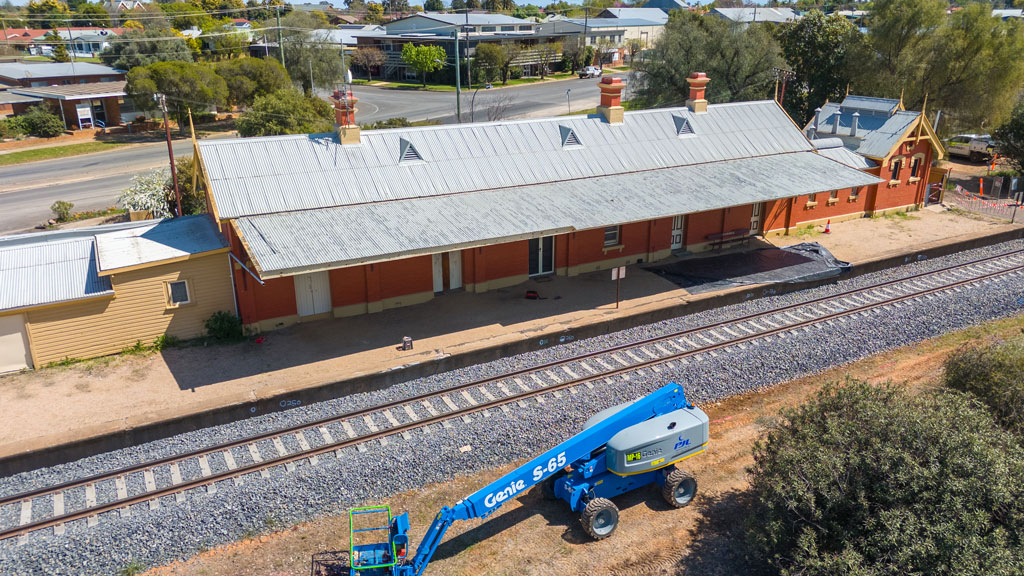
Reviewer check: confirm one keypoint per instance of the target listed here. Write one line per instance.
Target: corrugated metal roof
(475, 19)
(11, 98)
(757, 14)
(615, 22)
(833, 148)
(76, 91)
(862, 103)
(879, 124)
(878, 143)
(655, 14)
(350, 235)
(251, 176)
(48, 271)
(53, 69)
(156, 241)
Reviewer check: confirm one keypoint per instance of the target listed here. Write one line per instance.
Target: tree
(368, 58)
(634, 46)
(818, 49)
(738, 59)
(227, 45)
(183, 16)
(305, 50)
(249, 78)
(144, 47)
(547, 53)
(498, 57)
(864, 480)
(1011, 137)
(193, 201)
(374, 13)
(88, 14)
(186, 85)
(148, 191)
(472, 4)
(897, 27)
(48, 13)
(433, 5)
(499, 5)
(995, 374)
(286, 111)
(527, 12)
(458, 5)
(59, 49)
(606, 46)
(395, 6)
(424, 59)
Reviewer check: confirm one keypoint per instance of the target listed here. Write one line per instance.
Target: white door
(13, 344)
(313, 293)
(755, 219)
(677, 232)
(455, 270)
(438, 263)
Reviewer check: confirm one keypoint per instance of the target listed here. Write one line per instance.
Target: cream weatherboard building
(95, 291)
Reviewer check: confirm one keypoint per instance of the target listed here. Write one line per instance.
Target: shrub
(515, 72)
(39, 121)
(995, 374)
(224, 326)
(865, 480)
(400, 122)
(13, 127)
(148, 191)
(62, 210)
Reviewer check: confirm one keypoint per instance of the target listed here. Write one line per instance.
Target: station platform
(62, 413)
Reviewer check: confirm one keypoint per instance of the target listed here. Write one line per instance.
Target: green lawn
(449, 88)
(56, 152)
(77, 59)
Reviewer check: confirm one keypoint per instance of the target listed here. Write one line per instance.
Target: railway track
(154, 482)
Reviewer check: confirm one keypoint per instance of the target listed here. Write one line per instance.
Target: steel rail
(271, 462)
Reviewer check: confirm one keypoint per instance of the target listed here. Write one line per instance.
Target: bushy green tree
(424, 59)
(1011, 138)
(184, 15)
(249, 78)
(498, 58)
(185, 84)
(145, 47)
(433, 5)
(48, 13)
(738, 59)
(304, 50)
(995, 374)
(148, 191)
(458, 5)
(865, 480)
(89, 14)
(40, 121)
(286, 112)
(819, 50)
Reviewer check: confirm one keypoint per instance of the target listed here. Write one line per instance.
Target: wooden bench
(728, 238)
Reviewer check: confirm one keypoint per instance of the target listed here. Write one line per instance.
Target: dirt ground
(532, 536)
(65, 403)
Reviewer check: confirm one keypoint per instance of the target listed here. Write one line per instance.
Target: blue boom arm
(483, 502)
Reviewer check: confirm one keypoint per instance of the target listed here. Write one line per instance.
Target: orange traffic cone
(828, 226)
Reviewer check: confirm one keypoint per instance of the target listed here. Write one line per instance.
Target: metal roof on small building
(833, 148)
(76, 91)
(7, 97)
(20, 70)
(614, 22)
(362, 234)
(880, 124)
(756, 14)
(654, 14)
(157, 241)
(44, 268)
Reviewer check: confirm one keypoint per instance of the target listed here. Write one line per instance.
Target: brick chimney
(698, 82)
(345, 117)
(611, 99)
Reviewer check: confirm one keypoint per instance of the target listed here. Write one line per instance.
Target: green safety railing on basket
(352, 530)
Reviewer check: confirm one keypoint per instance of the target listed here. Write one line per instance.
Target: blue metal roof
(880, 124)
(614, 22)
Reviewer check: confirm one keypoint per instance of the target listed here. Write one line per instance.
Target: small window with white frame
(178, 293)
(896, 165)
(611, 236)
(812, 198)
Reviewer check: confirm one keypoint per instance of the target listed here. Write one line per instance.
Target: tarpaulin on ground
(797, 263)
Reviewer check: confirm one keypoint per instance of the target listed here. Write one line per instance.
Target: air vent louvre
(569, 137)
(409, 152)
(683, 126)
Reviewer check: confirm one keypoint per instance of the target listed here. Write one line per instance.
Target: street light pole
(458, 78)
(472, 103)
(162, 100)
(568, 103)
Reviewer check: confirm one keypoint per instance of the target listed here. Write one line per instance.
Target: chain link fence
(1003, 208)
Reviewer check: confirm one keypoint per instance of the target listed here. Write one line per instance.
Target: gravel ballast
(208, 518)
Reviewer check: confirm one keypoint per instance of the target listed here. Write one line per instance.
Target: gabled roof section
(569, 137)
(265, 175)
(881, 124)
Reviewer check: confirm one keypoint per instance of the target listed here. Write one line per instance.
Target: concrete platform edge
(98, 444)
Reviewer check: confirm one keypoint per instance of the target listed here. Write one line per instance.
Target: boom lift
(619, 450)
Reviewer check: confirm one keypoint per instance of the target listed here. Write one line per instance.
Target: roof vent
(683, 126)
(409, 153)
(569, 137)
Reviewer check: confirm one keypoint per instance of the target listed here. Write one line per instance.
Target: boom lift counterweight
(619, 450)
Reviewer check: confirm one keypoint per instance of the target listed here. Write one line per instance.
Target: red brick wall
(406, 276)
(775, 214)
(348, 285)
(274, 299)
(803, 213)
(500, 261)
(905, 192)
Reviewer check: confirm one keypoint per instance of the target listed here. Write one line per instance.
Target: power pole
(458, 79)
(71, 52)
(280, 43)
(469, 71)
(162, 100)
(586, 22)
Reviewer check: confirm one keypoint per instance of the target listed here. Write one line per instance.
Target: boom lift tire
(679, 488)
(600, 518)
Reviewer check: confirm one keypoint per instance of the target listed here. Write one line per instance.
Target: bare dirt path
(532, 536)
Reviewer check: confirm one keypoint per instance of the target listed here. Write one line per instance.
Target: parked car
(590, 72)
(976, 147)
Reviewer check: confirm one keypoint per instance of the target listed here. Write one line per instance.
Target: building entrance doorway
(542, 255)
(312, 293)
(447, 271)
(677, 232)
(755, 219)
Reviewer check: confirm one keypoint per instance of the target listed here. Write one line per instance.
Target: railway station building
(354, 222)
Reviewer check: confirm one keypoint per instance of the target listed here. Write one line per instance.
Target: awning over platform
(288, 243)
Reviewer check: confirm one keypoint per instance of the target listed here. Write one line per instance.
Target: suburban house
(354, 222)
(84, 40)
(94, 291)
(651, 14)
(80, 106)
(750, 14)
(35, 74)
(439, 29)
(877, 136)
(667, 6)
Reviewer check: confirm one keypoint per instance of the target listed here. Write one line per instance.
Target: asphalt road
(94, 181)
